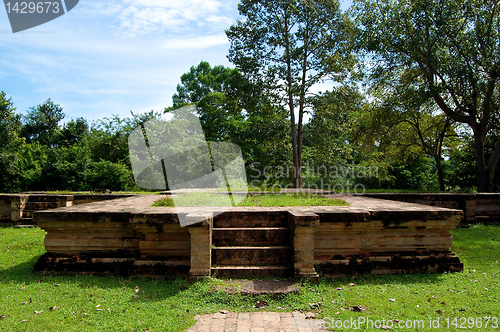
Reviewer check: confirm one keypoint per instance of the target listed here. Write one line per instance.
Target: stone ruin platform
(127, 236)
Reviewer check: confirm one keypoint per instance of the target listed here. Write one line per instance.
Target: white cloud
(131, 18)
(203, 5)
(194, 43)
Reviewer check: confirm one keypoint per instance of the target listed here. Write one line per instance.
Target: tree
(10, 123)
(208, 88)
(10, 142)
(74, 131)
(108, 139)
(327, 133)
(234, 109)
(289, 46)
(41, 124)
(201, 81)
(451, 48)
(410, 118)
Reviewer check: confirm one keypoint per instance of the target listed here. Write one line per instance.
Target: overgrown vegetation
(85, 303)
(214, 199)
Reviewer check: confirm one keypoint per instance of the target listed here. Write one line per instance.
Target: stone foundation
(129, 237)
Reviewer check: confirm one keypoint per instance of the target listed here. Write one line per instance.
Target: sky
(106, 58)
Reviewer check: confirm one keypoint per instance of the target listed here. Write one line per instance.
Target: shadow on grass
(155, 289)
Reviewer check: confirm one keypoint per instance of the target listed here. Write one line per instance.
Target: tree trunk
(439, 167)
(296, 167)
(299, 151)
(483, 178)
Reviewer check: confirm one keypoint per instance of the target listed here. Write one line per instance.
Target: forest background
(415, 104)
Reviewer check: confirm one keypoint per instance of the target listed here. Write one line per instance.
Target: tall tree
(451, 46)
(234, 109)
(289, 46)
(201, 81)
(41, 124)
(217, 93)
(10, 142)
(10, 123)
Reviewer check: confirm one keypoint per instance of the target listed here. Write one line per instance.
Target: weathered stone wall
(114, 242)
(4, 208)
(480, 207)
(14, 207)
(372, 247)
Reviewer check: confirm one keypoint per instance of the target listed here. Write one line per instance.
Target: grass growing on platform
(87, 303)
(267, 200)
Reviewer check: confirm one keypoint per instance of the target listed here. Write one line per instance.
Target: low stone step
(251, 256)
(41, 205)
(24, 221)
(251, 219)
(488, 220)
(251, 271)
(27, 214)
(251, 237)
(37, 198)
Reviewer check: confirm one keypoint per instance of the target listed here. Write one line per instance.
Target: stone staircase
(36, 202)
(252, 244)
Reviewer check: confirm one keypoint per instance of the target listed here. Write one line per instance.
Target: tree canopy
(451, 52)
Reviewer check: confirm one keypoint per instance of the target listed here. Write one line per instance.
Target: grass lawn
(86, 303)
(214, 199)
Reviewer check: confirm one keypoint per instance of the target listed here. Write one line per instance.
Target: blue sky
(111, 57)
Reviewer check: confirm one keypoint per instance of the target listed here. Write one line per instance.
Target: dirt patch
(268, 287)
(255, 287)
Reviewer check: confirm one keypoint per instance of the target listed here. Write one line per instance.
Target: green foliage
(10, 123)
(449, 50)
(73, 132)
(65, 168)
(201, 81)
(10, 126)
(41, 124)
(234, 109)
(108, 139)
(109, 175)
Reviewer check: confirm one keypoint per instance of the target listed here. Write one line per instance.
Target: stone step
(40, 206)
(248, 256)
(251, 271)
(488, 220)
(24, 221)
(27, 214)
(39, 198)
(251, 237)
(251, 219)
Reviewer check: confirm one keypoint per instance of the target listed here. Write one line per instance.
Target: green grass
(170, 305)
(214, 199)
